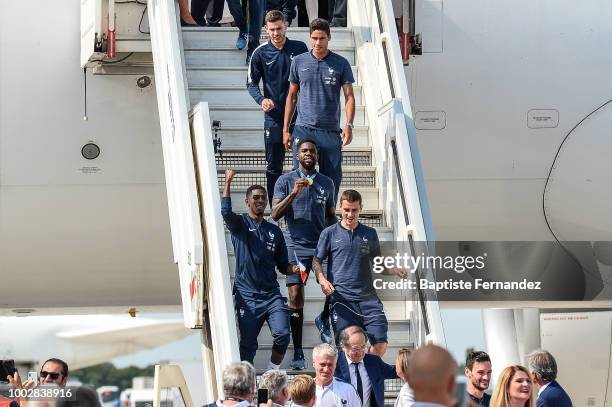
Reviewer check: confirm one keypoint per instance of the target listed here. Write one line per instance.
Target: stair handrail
(221, 324)
(176, 146)
(394, 146)
(198, 236)
(171, 377)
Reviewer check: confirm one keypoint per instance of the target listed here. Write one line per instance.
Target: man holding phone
(53, 371)
(273, 386)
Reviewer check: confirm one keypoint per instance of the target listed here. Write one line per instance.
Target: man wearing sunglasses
(54, 371)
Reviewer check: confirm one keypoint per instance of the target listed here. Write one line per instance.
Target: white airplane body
(512, 107)
(82, 340)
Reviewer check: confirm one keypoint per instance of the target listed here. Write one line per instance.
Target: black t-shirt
(484, 401)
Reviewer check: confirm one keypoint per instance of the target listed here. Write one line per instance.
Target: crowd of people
(429, 374)
(348, 376)
(208, 13)
(53, 373)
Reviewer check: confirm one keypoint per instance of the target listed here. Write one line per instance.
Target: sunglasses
(54, 376)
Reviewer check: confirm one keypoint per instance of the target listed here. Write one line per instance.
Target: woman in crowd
(406, 396)
(513, 388)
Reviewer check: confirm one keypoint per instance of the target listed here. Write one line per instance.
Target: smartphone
(33, 376)
(7, 367)
(262, 396)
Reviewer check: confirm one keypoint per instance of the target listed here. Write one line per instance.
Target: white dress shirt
(405, 398)
(365, 380)
(337, 394)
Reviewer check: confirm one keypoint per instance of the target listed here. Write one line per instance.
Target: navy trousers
(252, 313)
(256, 17)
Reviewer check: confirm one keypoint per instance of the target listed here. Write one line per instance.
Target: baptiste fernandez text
(450, 284)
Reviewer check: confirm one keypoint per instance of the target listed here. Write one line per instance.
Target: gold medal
(310, 181)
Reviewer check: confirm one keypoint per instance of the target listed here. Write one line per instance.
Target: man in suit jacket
(544, 372)
(366, 372)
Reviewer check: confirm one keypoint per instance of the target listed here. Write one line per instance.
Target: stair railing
(170, 387)
(198, 236)
(400, 175)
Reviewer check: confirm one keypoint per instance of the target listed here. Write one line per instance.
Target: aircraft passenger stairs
(199, 70)
(216, 73)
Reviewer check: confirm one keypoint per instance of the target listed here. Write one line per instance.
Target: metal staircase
(199, 69)
(215, 74)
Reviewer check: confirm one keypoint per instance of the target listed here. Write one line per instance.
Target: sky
(462, 327)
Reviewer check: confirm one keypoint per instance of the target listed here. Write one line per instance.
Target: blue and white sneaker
(324, 329)
(241, 42)
(298, 362)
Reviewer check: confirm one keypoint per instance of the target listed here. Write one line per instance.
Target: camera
(262, 396)
(7, 367)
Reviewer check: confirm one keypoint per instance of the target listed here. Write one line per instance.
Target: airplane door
(91, 28)
(581, 344)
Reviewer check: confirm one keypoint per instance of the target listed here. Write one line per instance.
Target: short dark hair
(307, 140)
(252, 188)
(59, 362)
(320, 24)
(273, 16)
(476, 356)
(351, 195)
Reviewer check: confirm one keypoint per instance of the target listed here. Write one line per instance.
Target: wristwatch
(351, 125)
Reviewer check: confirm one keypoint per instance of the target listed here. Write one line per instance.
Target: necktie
(359, 384)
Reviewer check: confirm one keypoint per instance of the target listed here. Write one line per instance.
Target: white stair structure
(199, 69)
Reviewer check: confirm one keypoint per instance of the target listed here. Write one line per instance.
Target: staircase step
(369, 217)
(194, 37)
(202, 75)
(230, 56)
(251, 115)
(352, 177)
(239, 95)
(263, 355)
(252, 138)
(369, 195)
(312, 291)
(398, 333)
(385, 234)
(255, 157)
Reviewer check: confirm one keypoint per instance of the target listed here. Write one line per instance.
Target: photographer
(53, 372)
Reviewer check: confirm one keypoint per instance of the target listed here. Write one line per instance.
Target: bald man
(431, 374)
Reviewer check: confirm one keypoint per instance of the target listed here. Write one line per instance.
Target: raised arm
(281, 205)
(233, 221)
